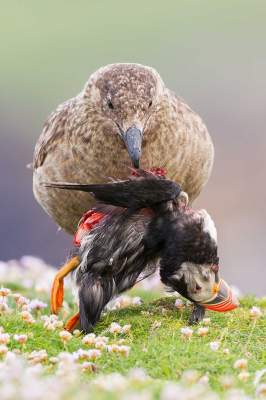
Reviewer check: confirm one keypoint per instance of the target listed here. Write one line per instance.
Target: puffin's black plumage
(145, 226)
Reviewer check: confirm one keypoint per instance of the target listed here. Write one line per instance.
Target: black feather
(135, 194)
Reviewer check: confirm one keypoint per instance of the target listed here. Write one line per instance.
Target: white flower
(4, 292)
(255, 312)
(214, 346)
(53, 360)
(226, 351)
(89, 339)
(37, 356)
(93, 354)
(76, 332)
(124, 350)
(27, 317)
(202, 331)
(88, 367)
(136, 301)
(261, 390)
(242, 363)
(243, 376)
(4, 338)
(190, 376)
(21, 339)
(37, 305)
(100, 344)
(21, 301)
(206, 321)
(4, 309)
(226, 381)
(186, 332)
(179, 304)
(204, 380)
(3, 349)
(137, 375)
(126, 328)
(115, 328)
(65, 336)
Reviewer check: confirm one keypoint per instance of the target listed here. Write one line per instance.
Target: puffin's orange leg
(57, 292)
(72, 322)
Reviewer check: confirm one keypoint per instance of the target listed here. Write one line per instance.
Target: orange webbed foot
(57, 291)
(72, 322)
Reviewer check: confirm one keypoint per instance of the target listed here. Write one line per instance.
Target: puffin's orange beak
(223, 299)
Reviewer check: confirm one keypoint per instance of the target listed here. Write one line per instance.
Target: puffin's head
(124, 96)
(196, 273)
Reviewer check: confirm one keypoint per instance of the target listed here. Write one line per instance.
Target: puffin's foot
(57, 292)
(72, 322)
(197, 314)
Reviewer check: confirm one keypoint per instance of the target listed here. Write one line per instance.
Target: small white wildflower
(93, 354)
(76, 332)
(3, 349)
(226, 381)
(255, 312)
(190, 376)
(204, 380)
(214, 346)
(115, 328)
(88, 366)
(53, 360)
(226, 351)
(206, 321)
(104, 339)
(124, 350)
(16, 296)
(126, 328)
(89, 339)
(37, 305)
(38, 356)
(186, 332)
(27, 317)
(4, 292)
(244, 376)
(4, 338)
(136, 301)
(242, 363)
(81, 354)
(261, 390)
(21, 301)
(65, 336)
(112, 348)
(100, 344)
(179, 304)
(21, 339)
(137, 375)
(202, 331)
(4, 309)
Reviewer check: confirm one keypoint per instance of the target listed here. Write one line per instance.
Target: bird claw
(197, 314)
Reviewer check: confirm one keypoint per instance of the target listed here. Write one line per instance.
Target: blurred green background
(212, 53)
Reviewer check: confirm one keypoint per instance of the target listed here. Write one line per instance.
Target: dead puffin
(138, 225)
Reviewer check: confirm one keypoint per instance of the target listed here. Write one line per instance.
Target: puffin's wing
(135, 194)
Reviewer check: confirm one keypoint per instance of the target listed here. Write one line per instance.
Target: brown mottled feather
(80, 141)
